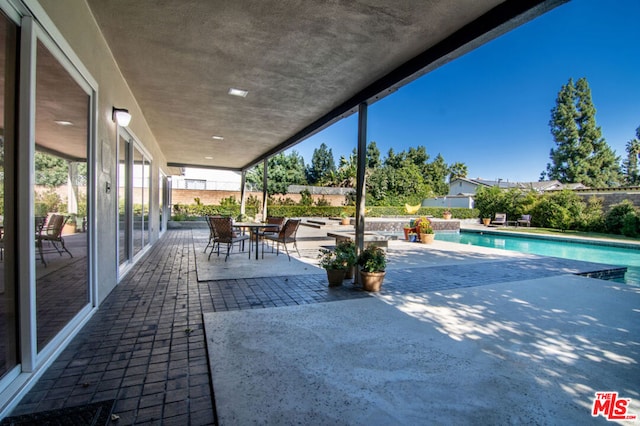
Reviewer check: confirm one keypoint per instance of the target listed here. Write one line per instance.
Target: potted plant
(425, 230)
(372, 261)
(408, 229)
(346, 250)
(70, 226)
(413, 237)
(345, 218)
(335, 265)
(486, 221)
(446, 215)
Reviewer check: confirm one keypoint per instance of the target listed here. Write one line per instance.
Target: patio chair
(223, 228)
(213, 239)
(286, 235)
(272, 220)
(500, 219)
(525, 219)
(51, 232)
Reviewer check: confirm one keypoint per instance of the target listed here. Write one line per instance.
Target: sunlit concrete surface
(532, 352)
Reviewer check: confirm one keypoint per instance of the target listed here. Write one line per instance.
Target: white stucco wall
(74, 21)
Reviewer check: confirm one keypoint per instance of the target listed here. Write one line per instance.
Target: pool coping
(570, 239)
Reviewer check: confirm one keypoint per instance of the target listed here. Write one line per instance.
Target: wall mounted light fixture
(121, 116)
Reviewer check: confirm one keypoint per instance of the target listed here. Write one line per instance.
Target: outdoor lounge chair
(286, 235)
(412, 209)
(224, 234)
(500, 219)
(525, 219)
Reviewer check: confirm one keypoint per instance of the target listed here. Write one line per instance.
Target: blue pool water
(567, 250)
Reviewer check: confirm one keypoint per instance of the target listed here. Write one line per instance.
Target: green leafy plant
(346, 250)
(423, 225)
(372, 259)
(330, 259)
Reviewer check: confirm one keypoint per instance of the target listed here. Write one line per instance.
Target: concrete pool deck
(458, 335)
(514, 352)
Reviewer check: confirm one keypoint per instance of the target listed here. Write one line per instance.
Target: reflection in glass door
(8, 304)
(124, 203)
(134, 183)
(60, 196)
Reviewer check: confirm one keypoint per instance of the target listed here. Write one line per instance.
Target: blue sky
(490, 108)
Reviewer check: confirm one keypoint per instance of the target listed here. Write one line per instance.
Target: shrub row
(197, 211)
(563, 210)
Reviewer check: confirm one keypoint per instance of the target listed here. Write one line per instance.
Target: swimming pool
(628, 257)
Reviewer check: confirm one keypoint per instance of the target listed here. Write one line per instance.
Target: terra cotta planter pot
(372, 281)
(335, 277)
(427, 238)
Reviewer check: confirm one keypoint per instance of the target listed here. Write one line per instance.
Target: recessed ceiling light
(238, 92)
(63, 123)
(218, 138)
(208, 158)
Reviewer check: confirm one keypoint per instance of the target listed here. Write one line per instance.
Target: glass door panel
(134, 182)
(60, 196)
(123, 202)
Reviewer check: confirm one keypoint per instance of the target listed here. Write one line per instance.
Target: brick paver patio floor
(145, 347)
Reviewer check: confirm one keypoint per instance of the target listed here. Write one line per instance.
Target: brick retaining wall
(213, 197)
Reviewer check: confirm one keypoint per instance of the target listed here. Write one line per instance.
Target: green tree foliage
(51, 171)
(630, 164)
(282, 171)
(622, 219)
(491, 200)
(373, 156)
(581, 154)
(436, 175)
(457, 170)
(322, 165)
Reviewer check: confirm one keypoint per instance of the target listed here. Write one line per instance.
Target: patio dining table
(254, 228)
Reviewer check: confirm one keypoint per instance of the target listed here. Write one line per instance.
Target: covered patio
(170, 349)
(227, 85)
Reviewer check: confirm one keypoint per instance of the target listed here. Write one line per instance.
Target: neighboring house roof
(541, 186)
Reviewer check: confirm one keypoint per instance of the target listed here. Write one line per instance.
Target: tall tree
(581, 154)
(436, 175)
(50, 170)
(457, 170)
(282, 171)
(373, 156)
(322, 164)
(630, 165)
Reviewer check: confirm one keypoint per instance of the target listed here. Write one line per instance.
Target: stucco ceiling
(304, 63)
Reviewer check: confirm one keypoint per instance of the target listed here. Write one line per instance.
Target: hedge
(195, 212)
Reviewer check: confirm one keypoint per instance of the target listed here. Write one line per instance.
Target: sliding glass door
(134, 199)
